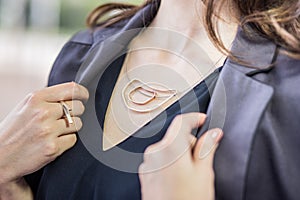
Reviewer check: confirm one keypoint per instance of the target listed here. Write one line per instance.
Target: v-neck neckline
(106, 87)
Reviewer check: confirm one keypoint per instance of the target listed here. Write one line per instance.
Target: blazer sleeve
(64, 70)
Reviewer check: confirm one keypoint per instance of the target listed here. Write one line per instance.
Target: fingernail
(211, 139)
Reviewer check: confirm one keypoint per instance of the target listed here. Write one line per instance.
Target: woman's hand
(176, 167)
(36, 131)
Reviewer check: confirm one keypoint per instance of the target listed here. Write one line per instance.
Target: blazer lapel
(112, 42)
(237, 105)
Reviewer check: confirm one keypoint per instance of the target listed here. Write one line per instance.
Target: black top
(79, 175)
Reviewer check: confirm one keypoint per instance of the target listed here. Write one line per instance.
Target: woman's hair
(276, 20)
(110, 13)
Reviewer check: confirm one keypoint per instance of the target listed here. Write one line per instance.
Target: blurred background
(32, 32)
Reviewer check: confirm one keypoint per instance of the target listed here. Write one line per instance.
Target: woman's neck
(178, 29)
(186, 18)
(183, 16)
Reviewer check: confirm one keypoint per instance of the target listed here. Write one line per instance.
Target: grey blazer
(258, 108)
(259, 112)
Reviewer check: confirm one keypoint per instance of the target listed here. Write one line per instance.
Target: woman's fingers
(56, 109)
(177, 141)
(62, 92)
(185, 123)
(206, 146)
(62, 126)
(181, 128)
(55, 147)
(60, 137)
(77, 107)
(65, 142)
(174, 158)
(41, 117)
(46, 102)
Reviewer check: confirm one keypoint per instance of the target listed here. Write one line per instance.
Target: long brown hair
(276, 20)
(104, 15)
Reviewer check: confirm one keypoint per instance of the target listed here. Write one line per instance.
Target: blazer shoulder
(77, 49)
(74, 52)
(84, 37)
(91, 36)
(70, 58)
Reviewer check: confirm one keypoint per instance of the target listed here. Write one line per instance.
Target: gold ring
(67, 113)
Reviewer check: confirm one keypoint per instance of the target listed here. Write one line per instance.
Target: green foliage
(74, 12)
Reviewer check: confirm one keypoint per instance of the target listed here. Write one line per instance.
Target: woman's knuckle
(178, 119)
(153, 149)
(78, 123)
(45, 131)
(81, 107)
(73, 84)
(33, 99)
(74, 139)
(51, 148)
(78, 107)
(75, 88)
(70, 85)
(141, 168)
(149, 149)
(42, 114)
(52, 158)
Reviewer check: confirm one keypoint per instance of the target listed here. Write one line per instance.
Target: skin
(172, 168)
(35, 133)
(186, 17)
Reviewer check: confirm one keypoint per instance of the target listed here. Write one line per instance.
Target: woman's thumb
(207, 144)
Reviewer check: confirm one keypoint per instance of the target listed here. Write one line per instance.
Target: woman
(104, 163)
(241, 159)
(96, 167)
